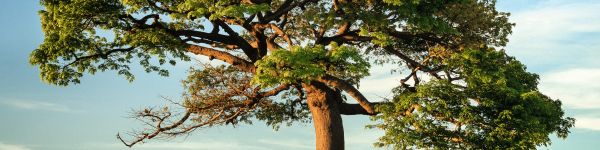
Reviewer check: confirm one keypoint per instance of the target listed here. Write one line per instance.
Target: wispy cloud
(576, 88)
(4, 146)
(36, 105)
(375, 89)
(551, 22)
(558, 33)
(589, 123)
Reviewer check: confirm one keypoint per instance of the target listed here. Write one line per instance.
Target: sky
(557, 39)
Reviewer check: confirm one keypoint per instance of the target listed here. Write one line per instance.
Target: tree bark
(327, 120)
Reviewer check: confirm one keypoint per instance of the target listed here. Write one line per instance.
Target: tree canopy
(460, 90)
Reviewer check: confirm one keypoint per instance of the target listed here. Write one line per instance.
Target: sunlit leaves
(347, 63)
(303, 64)
(86, 36)
(216, 9)
(238, 11)
(497, 107)
(296, 65)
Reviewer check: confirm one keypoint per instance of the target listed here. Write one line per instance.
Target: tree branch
(223, 56)
(408, 60)
(99, 54)
(351, 90)
(287, 6)
(281, 33)
(232, 39)
(158, 130)
(275, 90)
(345, 37)
(411, 36)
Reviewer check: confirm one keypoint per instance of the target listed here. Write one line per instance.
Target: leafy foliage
(72, 46)
(308, 63)
(497, 106)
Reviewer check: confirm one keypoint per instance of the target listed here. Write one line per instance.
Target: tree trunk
(324, 106)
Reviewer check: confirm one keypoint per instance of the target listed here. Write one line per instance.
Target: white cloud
(380, 83)
(375, 89)
(587, 123)
(551, 22)
(4, 146)
(576, 88)
(36, 105)
(557, 33)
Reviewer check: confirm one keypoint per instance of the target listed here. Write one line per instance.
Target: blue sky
(558, 39)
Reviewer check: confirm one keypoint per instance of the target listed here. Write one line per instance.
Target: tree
(286, 61)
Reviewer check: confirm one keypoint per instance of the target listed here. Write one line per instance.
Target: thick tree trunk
(324, 106)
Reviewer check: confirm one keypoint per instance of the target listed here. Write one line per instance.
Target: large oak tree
(286, 61)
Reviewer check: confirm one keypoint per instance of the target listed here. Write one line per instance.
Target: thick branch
(141, 24)
(281, 33)
(344, 27)
(275, 90)
(287, 6)
(232, 39)
(241, 42)
(351, 90)
(345, 37)
(411, 36)
(223, 56)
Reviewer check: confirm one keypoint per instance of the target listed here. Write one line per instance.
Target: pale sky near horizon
(558, 39)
